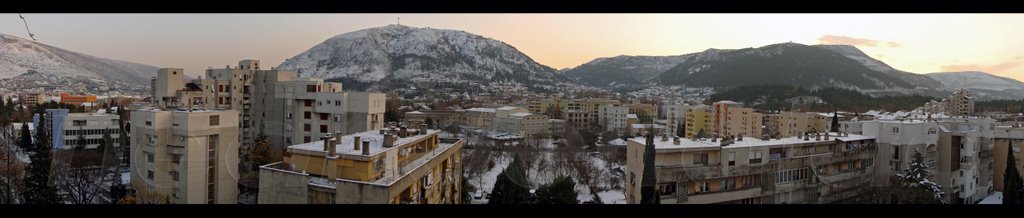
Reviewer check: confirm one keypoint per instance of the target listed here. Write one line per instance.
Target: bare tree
(80, 177)
(10, 169)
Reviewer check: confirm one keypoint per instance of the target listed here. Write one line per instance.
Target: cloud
(846, 40)
(993, 69)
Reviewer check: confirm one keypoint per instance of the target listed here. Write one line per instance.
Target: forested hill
(773, 97)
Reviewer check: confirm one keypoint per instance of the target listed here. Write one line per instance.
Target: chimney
(401, 131)
(664, 137)
(327, 141)
(817, 137)
(740, 138)
(423, 129)
(383, 130)
(355, 142)
(714, 139)
(389, 140)
(806, 137)
(366, 147)
(333, 144)
(826, 136)
(675, 140)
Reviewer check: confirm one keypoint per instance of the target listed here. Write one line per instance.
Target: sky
(918, 43)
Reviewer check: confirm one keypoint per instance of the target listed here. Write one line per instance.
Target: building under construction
(820, 168)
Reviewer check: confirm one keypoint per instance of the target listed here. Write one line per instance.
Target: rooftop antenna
(399, 20)
(30, 35)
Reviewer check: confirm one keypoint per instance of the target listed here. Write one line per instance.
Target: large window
(149, 174)
(667, 188)
(703, 187)
(149, 157)
(310, 88)
(755, 157)
(78, 123)
(307, 127)
(307, 115)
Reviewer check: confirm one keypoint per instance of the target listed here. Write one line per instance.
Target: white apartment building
(613, 118)
(185, 156)
(66, 128)
(519, 121)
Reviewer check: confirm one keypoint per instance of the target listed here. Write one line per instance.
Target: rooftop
(747, 142)
(521, 114)
(478, 109)
(374, 137)
(506, 108)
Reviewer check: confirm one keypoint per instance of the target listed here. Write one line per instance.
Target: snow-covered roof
(747, 142)
(506, 108)
(521, 114)
(376, 143)
(644, 126)
(617, 142)
(631, 116)
(415, 112)
(726, 102)
(478, 109)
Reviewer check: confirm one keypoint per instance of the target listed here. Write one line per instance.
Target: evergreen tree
(511, 186)
(430, 122)
(80, 142)
(560, 191)
(915, 181)
(124, 140)
(648, 194)
(701, 134)
(1013, 189)
(26, 138)
(38, 188)
(835, 122)
(681, 129)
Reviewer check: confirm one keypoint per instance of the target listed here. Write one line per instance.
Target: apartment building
(586, 112)
(274, 102)
(394, 165)
(960, 103)
(479, 117)
(613, 118)
(518, 121)
(65, 128)
(1008, 140)
(438, 118)
(646, 112)
(787, 123)
(32, 99)
(185, 156)
(824, 168)
(541, 106)
(674, 114)
(698, 118)
(961, 149)
(731, 119)
(556, 127)
(577, 119)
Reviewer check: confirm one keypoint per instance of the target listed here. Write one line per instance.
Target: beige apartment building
(1004, 136)
(732, 119)
(395, 165)
(825, 168)
(518, 121)
(960, 103)
(32, 99)
(185, 156)
(788, 123)
(274, 102)
(439, 118)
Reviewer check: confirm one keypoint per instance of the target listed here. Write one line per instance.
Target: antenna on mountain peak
(399, 20)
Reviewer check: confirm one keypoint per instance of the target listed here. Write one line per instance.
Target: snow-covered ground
(995, 198)
(609, 193)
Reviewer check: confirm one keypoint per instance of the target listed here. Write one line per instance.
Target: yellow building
(697, 119)
(786, 124)
(388, 166)
(732, 119)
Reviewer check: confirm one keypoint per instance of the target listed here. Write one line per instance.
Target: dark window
(309, 103)
(310, 88)
(323, 128)
(306, 127)
(214, 120)
(307, 115)
(323, 116)
(305, 139)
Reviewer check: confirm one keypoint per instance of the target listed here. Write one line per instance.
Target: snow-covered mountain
(396, 56)
(852, 52)
(975, 80)
(21, 57)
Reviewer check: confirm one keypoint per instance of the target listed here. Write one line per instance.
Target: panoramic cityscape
(511, 109)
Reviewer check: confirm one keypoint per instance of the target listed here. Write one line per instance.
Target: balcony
(690, 172)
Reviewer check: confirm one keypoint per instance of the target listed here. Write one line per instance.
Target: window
(324, 116)
(305, 139)
(149, 123)
(337, 103)
(214, 120)
(703, 187)
(175, 192)
(307, 127)
(307, 115)
(309, 103)
(288, 140)
(323, 128)
(149, 174)
(732, 159)
(895, 153)
(176, 158)
(310, 88)
(174, 175)
(755, 157)
(78, 123)
(149, 157)
(700, 158)
(931, 131)
(895, 130)
(337, 118)
(667, 188)
(289, 115)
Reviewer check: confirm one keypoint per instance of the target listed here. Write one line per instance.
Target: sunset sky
(919, 43)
